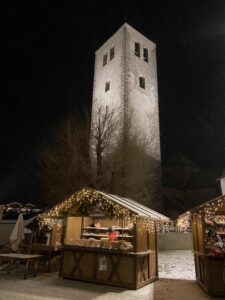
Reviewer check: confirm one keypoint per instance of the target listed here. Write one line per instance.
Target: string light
(86, 199)
(183, 223)
(204, 211)
(171, 226)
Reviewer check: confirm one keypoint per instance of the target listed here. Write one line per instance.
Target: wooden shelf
(96, 228)
(106, 228)
(95, 234)
(105, 236)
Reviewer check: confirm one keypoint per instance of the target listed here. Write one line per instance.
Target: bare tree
(140, 176)
(123, 162)
(109, 156)
(64, 166)
(105, 135)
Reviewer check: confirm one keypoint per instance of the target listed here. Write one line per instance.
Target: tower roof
(203, 179)
(128, 28)
(181, 159)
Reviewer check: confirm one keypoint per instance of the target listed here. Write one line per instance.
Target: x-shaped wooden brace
(77, 264)
(142, 264)
(114, 268)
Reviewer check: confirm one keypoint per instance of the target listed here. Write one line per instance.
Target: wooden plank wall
(141, 236)
(73, 229)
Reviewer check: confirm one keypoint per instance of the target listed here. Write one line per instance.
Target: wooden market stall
(208, 228)
(107, 239)
(45, 240)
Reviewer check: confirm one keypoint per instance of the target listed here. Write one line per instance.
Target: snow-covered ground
(49, 286)
(176, 264)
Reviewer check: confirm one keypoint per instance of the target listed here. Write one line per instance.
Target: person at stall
(112, 234)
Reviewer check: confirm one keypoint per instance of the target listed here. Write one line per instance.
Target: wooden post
(122, 226)
(82, 226)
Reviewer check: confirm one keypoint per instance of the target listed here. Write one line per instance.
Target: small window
(145, 54)
(112, 53)
(107, 86)
(137, 49)
(105, 59)
(142, 82)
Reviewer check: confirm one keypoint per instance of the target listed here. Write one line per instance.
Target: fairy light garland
(86, 197)
(183, 223)
(92, 198)
(205, 211)
(172, 226)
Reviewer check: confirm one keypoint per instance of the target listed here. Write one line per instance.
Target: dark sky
(49, 61)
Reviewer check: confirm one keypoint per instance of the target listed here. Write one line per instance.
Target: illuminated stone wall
(112, 72)
(142, 104)
(136, 107)
(139, 106)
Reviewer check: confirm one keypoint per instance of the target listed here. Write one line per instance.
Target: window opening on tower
(137, 49)
(142, 82)
(145, 54)
(107, 86)
(105, 59)
(112, 53)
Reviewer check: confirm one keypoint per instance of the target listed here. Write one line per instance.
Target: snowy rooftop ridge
(136, 207)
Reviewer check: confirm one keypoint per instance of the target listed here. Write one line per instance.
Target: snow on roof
(135, 207)
(29, 205)
(127, 203)
(14, 204)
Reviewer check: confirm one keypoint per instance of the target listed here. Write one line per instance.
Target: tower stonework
(125, 81)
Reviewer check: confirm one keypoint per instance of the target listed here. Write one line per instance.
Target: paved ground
(50, 287)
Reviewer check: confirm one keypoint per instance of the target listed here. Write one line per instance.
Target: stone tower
(125, 81)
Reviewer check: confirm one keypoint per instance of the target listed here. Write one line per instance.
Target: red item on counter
(112, 236)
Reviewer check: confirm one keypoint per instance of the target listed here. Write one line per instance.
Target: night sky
(48, 73)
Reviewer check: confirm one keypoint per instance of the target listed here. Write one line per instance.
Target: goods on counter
(209, 222)
(219, 219)
(215, 235)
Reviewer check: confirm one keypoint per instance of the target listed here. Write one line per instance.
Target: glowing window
(145, 54)
(142, 82)
(107, 86)
(137, 49)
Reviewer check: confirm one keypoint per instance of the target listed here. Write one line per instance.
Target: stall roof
(135, 207)
(205, 204)
(127, 203)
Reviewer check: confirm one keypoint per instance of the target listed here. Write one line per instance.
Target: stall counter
(108, 266)
(210, 273)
